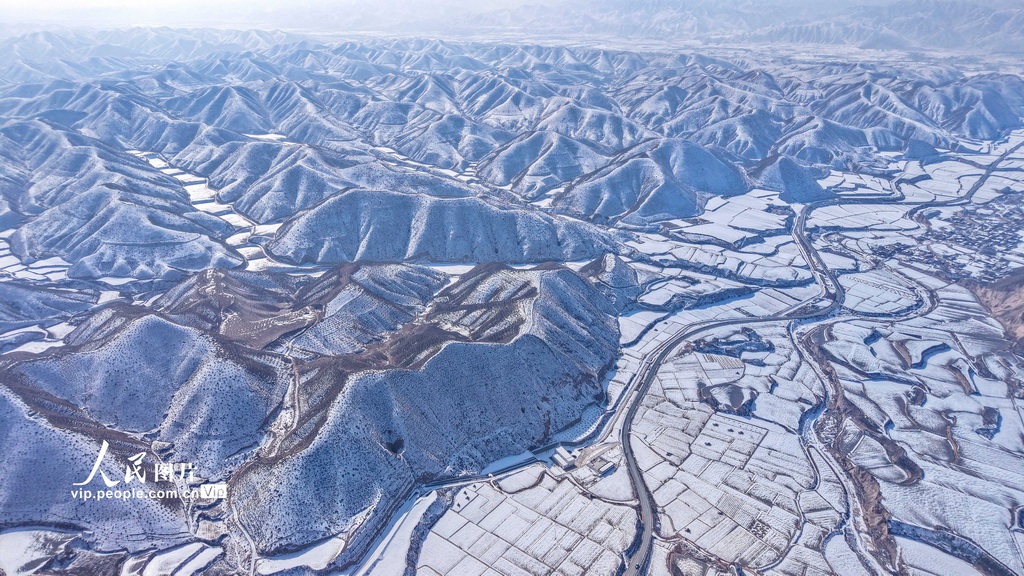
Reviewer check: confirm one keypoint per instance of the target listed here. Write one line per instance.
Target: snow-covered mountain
(200, 376)
(287, 130)
(335, 273)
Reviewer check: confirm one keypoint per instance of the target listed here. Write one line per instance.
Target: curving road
(830, 288)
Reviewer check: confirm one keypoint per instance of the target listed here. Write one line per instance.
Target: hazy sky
(257, 13)
(327, 17)
(90, 11)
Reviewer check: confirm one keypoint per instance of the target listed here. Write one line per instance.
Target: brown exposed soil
(1005, 301)
(868, 492)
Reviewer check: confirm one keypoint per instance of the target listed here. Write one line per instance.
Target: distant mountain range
(476, 152)
(950, 25)
(943, 24)
(331, 273)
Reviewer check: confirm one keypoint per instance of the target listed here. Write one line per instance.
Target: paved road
(966, 198)
(830, 288)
